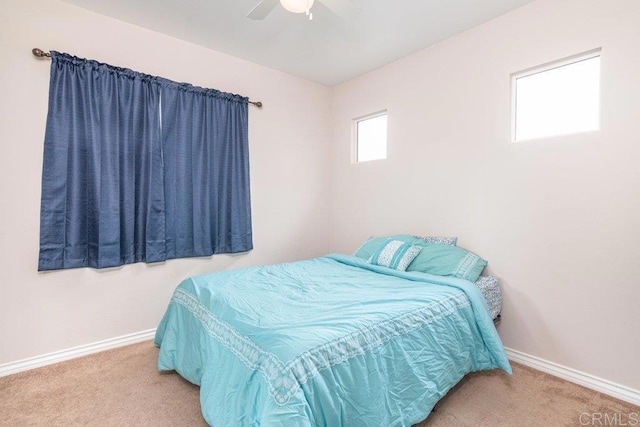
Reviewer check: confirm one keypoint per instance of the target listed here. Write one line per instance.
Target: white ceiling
(327, 50)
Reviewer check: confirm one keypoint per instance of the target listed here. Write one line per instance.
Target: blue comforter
(331, 341)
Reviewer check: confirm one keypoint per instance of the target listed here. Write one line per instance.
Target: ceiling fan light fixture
(297, 6)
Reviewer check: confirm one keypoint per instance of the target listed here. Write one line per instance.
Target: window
(558, 98)
(131, 179)
(370, 141)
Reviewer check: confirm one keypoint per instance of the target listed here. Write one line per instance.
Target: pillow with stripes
(395, 254)
(448, 260)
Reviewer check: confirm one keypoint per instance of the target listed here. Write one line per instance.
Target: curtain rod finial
(40, 53)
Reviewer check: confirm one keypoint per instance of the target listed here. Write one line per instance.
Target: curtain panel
(207, 184)
(138, 168)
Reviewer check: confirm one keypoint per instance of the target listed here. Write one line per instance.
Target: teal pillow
(447, 260)
(369, 247)
(395, 254)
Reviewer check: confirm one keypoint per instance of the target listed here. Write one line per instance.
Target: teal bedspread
(331, 341)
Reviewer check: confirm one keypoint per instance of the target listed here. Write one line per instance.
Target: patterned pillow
(440, 240)
(395, 254)
(490, 289)
(372, 245)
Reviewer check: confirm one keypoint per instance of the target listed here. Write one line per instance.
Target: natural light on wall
(558, 98)
(371, 137)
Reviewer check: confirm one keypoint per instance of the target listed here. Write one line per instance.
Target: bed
(330, 341)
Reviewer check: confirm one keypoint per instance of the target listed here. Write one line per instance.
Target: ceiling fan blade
(343, 8)
(262, 9)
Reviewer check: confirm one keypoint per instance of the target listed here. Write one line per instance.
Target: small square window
(370, 137)
(559, 98)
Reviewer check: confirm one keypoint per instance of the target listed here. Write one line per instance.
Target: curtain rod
(42, 54)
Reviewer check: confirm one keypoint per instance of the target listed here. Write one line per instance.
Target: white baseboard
(618, 391)
(72, 353)
(587, 380)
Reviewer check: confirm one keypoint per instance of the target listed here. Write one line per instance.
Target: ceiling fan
(343, 8)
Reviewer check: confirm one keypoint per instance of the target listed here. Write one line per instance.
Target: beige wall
(41, 313)
(558, 219)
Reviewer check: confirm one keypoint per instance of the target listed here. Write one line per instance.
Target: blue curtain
(207, 183)
(139, 168)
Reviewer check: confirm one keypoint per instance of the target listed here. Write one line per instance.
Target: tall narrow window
(558, 98)
(370, 142)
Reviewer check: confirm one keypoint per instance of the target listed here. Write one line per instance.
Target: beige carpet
(123, 388)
